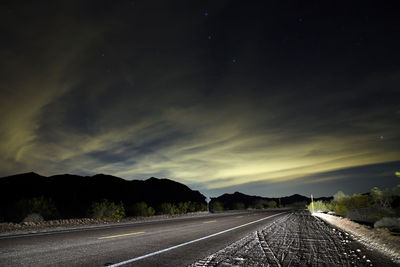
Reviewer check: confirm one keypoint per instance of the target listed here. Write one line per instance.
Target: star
(209, 37)
(234, 60)
(206, 14)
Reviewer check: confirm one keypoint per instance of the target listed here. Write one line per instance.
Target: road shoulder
(378, 239)
(296, 239)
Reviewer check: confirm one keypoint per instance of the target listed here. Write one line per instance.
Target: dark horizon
(257, 97)
(365, 177)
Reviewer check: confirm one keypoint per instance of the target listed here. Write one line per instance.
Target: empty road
(174, 242)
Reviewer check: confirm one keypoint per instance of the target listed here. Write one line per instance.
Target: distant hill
(230, 201)
(73, 194)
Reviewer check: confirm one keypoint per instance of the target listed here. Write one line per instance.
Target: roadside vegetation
(39, 209)
(35, 209)
(216, 206)
(379, 207)
(107, 210)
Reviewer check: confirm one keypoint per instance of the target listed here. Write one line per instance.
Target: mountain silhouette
(74, 194)
(229, 201)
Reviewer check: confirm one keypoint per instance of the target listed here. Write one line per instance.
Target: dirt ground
(297, 239)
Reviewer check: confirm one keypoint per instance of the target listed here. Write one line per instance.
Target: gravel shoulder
(378, 239)
(296, 239)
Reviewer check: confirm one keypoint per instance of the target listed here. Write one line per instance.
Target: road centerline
(192, 241)
(210, 221)
(112, 236)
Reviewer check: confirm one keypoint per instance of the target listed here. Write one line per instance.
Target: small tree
(107, 210)
(238, 206)
(216, 206)
(318, 206)
(271, 204)
(339, 195)
(258, 206)
(183, 207)
(141, 209)
(38, 205)
(381, 198)
(168, 208)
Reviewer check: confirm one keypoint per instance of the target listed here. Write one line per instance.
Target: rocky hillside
(230, 201)
(73, 194)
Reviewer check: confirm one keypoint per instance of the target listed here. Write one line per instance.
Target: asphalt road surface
(177, 242)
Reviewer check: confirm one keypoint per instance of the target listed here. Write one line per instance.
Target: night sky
(264, 97)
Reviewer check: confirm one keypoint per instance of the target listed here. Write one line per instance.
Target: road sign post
(312, 204)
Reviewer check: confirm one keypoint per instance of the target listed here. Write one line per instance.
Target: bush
(258, 206)
(388, 222)
(318, 206)
(200, 207)
(33, 217)
(238, 206)
(141, 209)
(107, 210)
(346, 204)
(40, 205)
(339, 195)
(168, 208)
(271, 204)
(382, 198)
(183, 207)
(216, 206)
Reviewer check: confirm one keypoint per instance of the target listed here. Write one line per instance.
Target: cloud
(112, 90)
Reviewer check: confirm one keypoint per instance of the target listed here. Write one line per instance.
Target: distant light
(209, 37)
(234, 60)
(206, 14)
(397, 174)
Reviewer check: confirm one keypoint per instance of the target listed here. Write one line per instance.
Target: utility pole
(312, 204)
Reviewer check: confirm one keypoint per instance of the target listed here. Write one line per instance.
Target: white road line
(190, 242)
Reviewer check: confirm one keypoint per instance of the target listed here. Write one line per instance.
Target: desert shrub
(216, 206)
(33, 217)
(345, 204)
(318, 206)
(191, 206)
(40, 205)
(271, 204)
(339, 195)
(182, 207)
(168, 208)
(342, 206)
(258, 206)
(107, 210)
(238, 206)
(389, 222)
(141, 209)
(201, 207)
(382, 198)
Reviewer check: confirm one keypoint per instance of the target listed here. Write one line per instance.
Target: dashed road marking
(112, 236)
(210, 221)
(190, 242)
